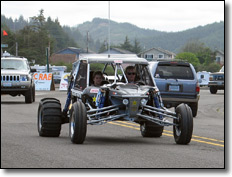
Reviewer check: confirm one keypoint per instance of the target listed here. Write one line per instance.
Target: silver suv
(17, 78)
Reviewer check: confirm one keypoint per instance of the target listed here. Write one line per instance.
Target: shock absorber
(157, 100)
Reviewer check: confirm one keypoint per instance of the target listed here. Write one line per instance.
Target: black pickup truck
(216, 81)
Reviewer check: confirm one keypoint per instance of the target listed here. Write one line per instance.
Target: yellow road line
(211, 139)
(133, 126)
(206, 142)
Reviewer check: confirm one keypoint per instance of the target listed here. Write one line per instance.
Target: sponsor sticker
(94, 90)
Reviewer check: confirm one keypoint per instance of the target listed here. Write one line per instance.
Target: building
(67, 55)
(220, 57)
(157, 54)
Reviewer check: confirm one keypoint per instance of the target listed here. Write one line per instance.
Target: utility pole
(16, 49)
(87, 41)
(47, 60)
(48, 52)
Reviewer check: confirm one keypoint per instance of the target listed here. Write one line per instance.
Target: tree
(102, 47)
(126, 45)
(190, 57)
(39, 20)
(136, 48)
(204, 54)
(213, 67)
(193, 46)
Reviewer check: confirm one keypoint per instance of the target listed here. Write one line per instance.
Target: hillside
(212, 35)
(98, 29)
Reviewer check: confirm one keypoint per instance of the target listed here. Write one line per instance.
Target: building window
(160, 56)
(149, 56)
(218, 59)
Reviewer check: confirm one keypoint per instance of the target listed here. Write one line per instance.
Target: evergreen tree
(136, 48)
(126, 45)
(103, 47)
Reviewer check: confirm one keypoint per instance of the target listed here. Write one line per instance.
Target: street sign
(4, 45)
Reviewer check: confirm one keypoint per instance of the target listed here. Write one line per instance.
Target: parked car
(216, 81)
(203, 78)
(177, 82)
(16, 78)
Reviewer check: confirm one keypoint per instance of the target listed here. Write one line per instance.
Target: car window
(14, 64)
(174, 72)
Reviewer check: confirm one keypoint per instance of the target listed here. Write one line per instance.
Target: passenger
(97, 78)
(130, 74)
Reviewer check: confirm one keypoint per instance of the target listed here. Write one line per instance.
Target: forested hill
(212, 34)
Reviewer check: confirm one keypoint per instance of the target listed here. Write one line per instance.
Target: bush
(213, 67)
(190, 57)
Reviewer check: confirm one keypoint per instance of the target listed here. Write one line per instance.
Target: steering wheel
(140, 82)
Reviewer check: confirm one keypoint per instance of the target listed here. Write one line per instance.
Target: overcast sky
(159, 15)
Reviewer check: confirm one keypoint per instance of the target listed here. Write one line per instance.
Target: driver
(130, 74)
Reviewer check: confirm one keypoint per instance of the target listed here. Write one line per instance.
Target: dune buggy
(115, 100)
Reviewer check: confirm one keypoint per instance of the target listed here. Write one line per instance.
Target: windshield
(115, 72)
(174, 72)
(14, 64)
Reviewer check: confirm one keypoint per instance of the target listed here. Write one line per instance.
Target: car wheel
(49, 117)
(184, 125)
(29, 95)
(150, 129)
(33, 94)
(213, 90)
(78, 123)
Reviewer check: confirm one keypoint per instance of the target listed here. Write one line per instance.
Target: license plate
(7, 84)
(175, 88)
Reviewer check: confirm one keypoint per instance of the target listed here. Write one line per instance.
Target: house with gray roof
(157, 54)
(220, 57)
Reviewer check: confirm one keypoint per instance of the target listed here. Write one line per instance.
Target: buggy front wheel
(184, 124)
(78, 123)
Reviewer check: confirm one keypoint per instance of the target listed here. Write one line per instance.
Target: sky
(169, 16)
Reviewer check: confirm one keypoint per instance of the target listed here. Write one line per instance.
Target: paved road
(113, 145)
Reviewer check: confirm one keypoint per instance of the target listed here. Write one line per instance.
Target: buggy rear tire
(150, 129)
(78, 123)
(183, 130)
(49, 117)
